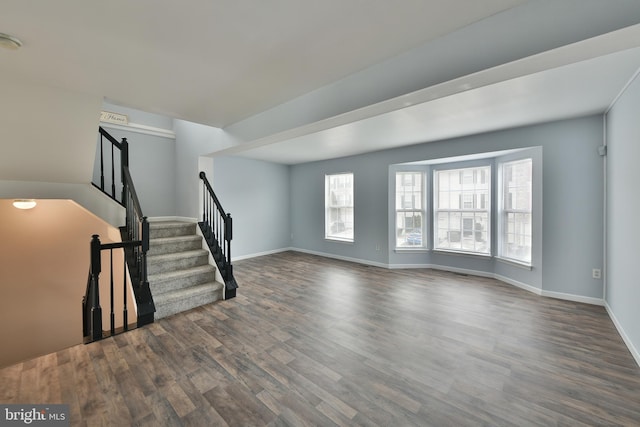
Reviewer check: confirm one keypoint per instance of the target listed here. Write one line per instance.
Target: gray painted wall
(572, 224)
(192, 141)
(256, 194)
(623, 207)
(152, 167)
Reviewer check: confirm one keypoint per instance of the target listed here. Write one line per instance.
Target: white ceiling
(240, 64)
(577, 89)
(216, 62)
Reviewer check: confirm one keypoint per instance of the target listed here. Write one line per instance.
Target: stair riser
(161, 286)
(172, 231)
(177, 264)
(173, 247)
(177, 306)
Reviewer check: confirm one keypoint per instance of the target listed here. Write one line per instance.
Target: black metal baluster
(101, 165)
(113, 174)
(113, 315)
(227, 237)
(125, 315)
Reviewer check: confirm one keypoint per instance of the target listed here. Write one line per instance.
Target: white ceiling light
(9, 42)
(24, 203)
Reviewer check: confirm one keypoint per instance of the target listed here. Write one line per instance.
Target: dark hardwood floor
(313, 341)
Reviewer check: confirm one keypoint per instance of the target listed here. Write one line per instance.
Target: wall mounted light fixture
(9, 42)
(24, 203)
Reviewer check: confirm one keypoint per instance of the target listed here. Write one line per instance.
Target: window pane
(409, 229)
(516, 210)
(462, 214)
(339, 206)
(409, 209)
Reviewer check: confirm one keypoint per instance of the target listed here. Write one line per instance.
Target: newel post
(94, 289)
(228, 235)
(145, 248)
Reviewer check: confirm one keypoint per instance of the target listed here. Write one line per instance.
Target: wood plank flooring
(313, 341)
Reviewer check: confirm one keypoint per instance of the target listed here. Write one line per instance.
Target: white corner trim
(143, 129)
(171, 218)
(634, 351)
(622, 91)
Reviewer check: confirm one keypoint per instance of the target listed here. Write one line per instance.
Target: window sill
(461, 253)
(337, 240)
(419, 249)
(515, 263)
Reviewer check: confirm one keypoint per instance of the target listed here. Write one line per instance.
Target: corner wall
(256, 194)
(192, 141)
(623, 210)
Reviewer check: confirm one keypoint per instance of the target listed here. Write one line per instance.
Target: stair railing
(137, 229)
(217, 229)
(91, 308)
(116, 152)
(135, 244)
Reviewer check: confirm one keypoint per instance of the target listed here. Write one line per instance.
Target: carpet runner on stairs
(180, 276)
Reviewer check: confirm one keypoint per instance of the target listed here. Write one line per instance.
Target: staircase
(168, 269)
(180, 276)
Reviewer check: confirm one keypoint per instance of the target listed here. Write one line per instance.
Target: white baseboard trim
(255, 255)
(523, 286)
(517, 284)
(341, 258)
(462, 271)
(171, 218)
(573, 297)
(408, 266)
(634, 351)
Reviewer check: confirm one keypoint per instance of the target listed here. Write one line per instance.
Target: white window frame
(400, 210)
(504, 211)
(481, 172)
(341, 229)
